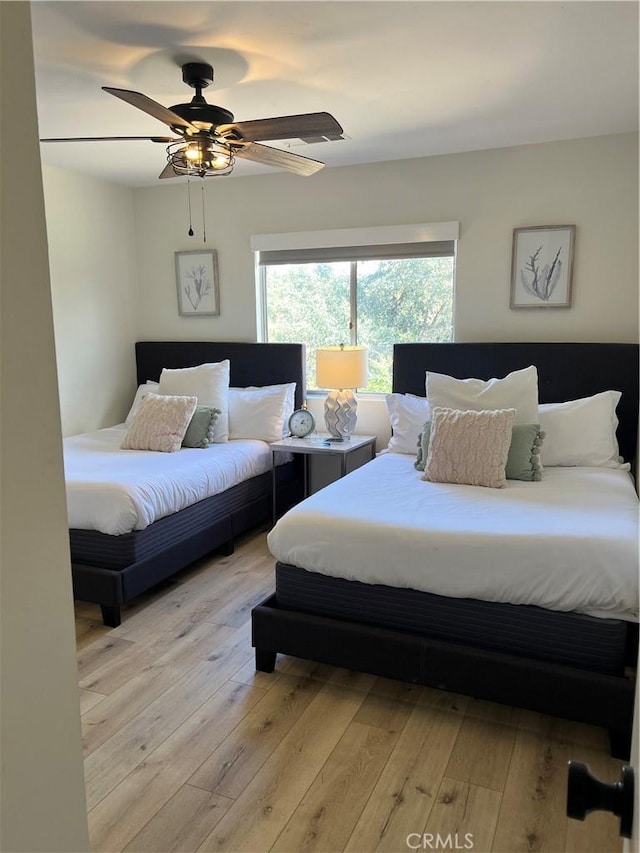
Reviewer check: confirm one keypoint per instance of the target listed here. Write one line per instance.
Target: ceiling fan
(206, 139)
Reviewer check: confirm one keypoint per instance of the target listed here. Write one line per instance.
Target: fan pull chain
(204, 224)
(190, 231)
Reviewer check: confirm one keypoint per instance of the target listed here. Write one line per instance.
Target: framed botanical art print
(197, 282)
(542, 266)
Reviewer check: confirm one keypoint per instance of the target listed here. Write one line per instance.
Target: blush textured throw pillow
(160, 423)
(469, 447)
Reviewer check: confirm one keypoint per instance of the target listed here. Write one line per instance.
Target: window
(370, 295)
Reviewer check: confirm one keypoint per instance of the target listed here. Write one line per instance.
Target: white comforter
(116, 491)
(569, 542)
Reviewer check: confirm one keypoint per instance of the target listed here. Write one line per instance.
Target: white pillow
(261, 412)
(148, 387)
(288, 389)
(518, 390)
(160, 423)
(581, 432)
(209, 383)
(407, 415)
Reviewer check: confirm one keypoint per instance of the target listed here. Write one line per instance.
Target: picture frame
(197, 283)
(542, 266)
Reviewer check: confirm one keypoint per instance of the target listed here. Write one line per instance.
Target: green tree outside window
(394, 301)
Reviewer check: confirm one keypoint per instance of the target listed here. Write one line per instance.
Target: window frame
(350, 245)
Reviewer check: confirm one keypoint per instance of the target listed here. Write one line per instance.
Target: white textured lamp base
(340, 413)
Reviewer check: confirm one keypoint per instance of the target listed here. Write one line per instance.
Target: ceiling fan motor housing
(201, 112)
(198, 75)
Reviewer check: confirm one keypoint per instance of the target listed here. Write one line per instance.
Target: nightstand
(318, 445)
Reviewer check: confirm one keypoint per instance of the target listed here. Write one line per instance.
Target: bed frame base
(112, 613)
(111, 616)
(113, 587)
(563, 691)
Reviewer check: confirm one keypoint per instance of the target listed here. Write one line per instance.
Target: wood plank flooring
(188, 749)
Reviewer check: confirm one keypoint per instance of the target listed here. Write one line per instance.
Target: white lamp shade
(342, 367)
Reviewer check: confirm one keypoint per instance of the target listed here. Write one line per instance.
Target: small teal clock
(301, 423)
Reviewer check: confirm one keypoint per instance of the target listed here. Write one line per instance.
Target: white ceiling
(405, 79)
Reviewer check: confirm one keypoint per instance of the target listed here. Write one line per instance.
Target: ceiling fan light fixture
(192, 152)
(203, 158)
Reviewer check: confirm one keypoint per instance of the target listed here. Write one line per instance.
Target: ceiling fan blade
(164, 139)
(147, 105)
(285, 127)
(275, 157)
(168, 172)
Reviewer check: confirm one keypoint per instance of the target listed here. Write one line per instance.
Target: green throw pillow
(523, 462)
(423, 446)
(200, 430)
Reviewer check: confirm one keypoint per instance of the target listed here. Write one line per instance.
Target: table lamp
(342, 369)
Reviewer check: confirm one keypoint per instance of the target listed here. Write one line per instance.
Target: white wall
(92, 258)
(592, 183)
(42, 798)
(104, 299)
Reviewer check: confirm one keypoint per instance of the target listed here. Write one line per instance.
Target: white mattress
(116, 491)
(569, 542)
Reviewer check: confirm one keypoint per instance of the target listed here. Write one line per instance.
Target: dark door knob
(586, 794)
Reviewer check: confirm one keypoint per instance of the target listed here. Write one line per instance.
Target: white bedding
(116, 491)
(569, 542)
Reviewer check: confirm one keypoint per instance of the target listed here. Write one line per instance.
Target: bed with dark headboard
(566, 371)
(111, 570)
(351, 630)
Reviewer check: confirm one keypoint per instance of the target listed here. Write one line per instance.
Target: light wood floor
(189, 749)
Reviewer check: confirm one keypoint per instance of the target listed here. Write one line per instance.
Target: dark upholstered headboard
(251, 364)
(566, 371)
